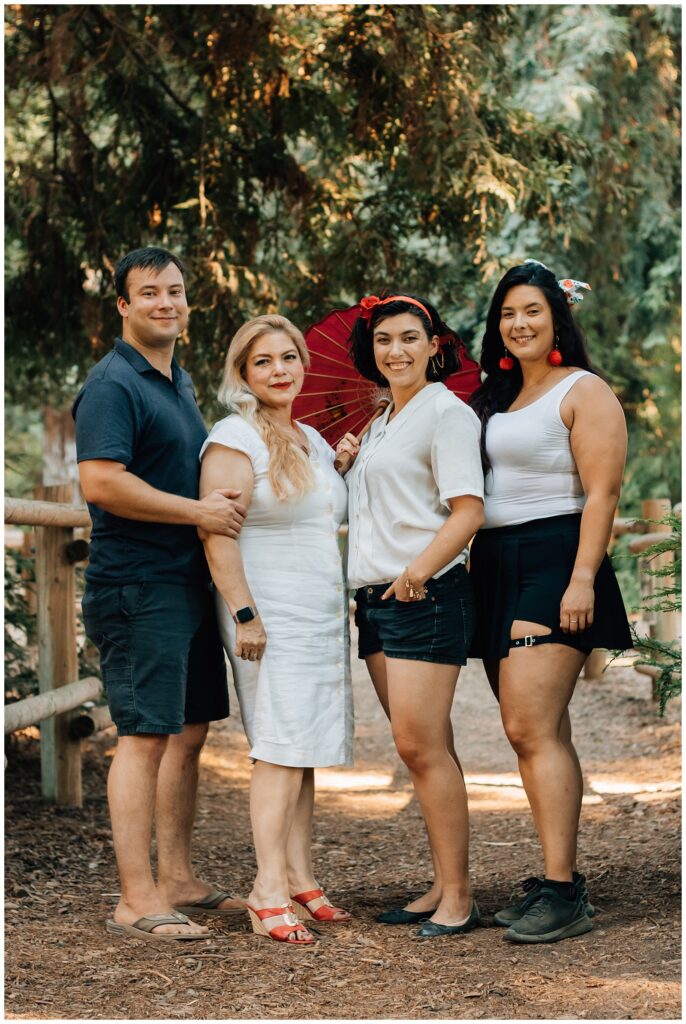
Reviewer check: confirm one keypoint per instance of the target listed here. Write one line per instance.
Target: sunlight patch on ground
(227, 766)
(333, 778)
(503, 779)
(502, 798)
(652, 798)
(368, 804)
(624, 787)
(658, 994)
(380, 794)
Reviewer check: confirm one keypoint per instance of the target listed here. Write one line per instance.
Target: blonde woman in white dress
(283, 613)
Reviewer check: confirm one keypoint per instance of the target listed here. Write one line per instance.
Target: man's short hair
(148, 258)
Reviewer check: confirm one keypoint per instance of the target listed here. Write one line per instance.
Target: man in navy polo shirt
(148, 605)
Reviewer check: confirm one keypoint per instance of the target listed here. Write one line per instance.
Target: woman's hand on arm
(598, 439)
(466, 517)
(220, 466)
(110, 486)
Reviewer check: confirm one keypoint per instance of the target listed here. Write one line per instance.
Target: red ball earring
(506, 361)
(555, 356)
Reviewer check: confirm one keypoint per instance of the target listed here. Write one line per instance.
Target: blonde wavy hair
(289, 468)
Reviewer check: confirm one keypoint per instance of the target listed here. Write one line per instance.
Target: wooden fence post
(57, 652)
(595, 664)
(667, 624)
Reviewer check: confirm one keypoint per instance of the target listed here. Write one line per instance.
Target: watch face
(245, 615)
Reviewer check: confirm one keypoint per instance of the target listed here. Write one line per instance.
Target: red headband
(370, 302)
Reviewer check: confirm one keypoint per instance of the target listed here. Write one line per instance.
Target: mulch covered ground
(371, 853)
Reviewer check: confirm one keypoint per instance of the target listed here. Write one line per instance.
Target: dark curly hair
(362, 349)
(501, 387)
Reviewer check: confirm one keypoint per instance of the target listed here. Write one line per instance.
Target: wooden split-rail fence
(61, 692)
(59, 705)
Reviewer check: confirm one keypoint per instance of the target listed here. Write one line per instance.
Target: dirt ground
(371, 854)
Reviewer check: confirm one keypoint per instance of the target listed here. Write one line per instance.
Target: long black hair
(501, 387)
(362, 349)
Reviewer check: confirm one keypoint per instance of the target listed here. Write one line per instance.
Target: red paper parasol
(335, 399)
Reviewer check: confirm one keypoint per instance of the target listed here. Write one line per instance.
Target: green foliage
(614, 73)
(20, 638)
(23, 455)
(665, 656)
(20, 626)
(626, 570)
(300, 156)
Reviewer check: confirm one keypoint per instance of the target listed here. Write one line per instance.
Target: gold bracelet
(415, 591)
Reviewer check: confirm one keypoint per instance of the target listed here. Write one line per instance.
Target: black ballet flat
(431, 929)
(402, 916)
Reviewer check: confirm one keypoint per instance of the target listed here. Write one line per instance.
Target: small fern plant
(664, 655)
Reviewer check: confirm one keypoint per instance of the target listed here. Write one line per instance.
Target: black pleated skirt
(521, 572)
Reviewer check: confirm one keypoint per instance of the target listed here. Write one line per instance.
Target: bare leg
(566, 739)
(376, 665)
(492, 669)
(274, 795)
(299, 847)
(177, 788)
(131, 789)
(536, 685)
(450, 742)
(420, 698)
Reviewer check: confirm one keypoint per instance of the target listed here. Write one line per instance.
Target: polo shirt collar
(141, 364)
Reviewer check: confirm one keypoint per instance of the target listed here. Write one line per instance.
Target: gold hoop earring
(435, 363)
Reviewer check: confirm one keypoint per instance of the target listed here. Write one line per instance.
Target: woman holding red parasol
(415, 501)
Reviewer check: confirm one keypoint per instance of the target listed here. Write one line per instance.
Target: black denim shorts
(438, 628)
(161, 657)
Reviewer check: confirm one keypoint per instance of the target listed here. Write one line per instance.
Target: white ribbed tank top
(533, 475)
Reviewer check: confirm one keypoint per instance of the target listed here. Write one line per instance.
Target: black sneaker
(549, 918)
(580, 883)
(508, 915)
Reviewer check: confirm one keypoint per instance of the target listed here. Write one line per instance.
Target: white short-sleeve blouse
(401, 482)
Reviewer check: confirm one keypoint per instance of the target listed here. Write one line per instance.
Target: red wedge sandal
(325, 913)
(281, 932)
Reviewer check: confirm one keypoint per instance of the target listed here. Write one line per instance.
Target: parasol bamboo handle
(343, 462)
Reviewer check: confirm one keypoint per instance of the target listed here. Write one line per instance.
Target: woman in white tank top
(553, 445)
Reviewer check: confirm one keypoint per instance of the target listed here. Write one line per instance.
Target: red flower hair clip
(368, 304)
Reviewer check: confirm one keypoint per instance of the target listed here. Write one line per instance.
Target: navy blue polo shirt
(129, 412)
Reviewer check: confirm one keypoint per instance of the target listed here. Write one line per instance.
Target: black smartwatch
(246, 614)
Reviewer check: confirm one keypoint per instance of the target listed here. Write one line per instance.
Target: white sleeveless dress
(296, 702)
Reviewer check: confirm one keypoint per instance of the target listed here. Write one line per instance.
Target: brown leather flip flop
(210, 905)
(143, 928)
